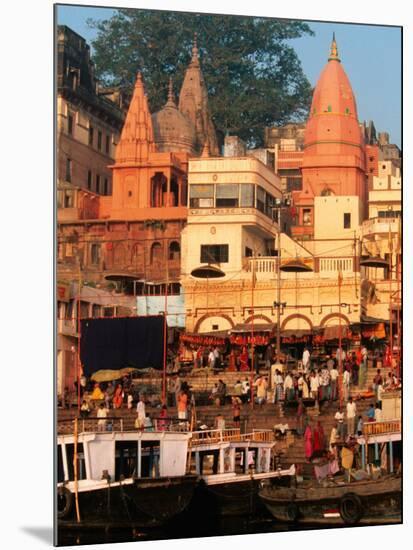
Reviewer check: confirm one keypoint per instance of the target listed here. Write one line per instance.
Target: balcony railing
(334, 265)
(264, 266)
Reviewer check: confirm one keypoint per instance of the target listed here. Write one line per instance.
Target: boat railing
(91, 424)
(229, 435)
(265, 436)
(116, 423)
(385, 427)
(215, 436)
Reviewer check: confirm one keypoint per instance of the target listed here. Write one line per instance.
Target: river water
(231, 526)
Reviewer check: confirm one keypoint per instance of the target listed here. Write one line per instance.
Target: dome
(173, 131)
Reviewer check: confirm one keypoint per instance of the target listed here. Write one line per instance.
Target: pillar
(179, 183)
(221, 468)
(391, 466)
(197, 464)
(376, 452)
(363, 456)
(139, 458)
(259, 455)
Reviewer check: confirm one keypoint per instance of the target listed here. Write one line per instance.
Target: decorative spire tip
(334, 50)
(195, 51)
(171, 98)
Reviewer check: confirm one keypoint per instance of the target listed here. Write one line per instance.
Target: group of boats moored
(150, 478)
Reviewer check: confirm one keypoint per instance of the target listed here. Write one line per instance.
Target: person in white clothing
(288, 387)
(211, 359)
(130, 400)
(102, 415)
(377, 413)
(339, 417)
(343, 355)
(306, 359)
(380, 391)
(333, 440)
(314, 384)
(140, 409)
(333, 377)
(346, 385)
(351, 416)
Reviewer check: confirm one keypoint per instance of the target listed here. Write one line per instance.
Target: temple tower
(334, 151)
(147, 183)
(193, 103)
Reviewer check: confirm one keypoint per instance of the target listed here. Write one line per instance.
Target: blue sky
(371, 56)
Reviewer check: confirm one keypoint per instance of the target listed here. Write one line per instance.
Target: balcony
(302, 231)
(331, 266)
(264, 267)
(380, 225)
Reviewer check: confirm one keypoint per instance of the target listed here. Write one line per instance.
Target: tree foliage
(252, 73)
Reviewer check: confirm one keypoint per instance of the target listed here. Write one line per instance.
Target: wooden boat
(336, 501)
(231, 467)
(122, 476)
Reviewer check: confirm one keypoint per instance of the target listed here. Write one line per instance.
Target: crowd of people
(310, 380)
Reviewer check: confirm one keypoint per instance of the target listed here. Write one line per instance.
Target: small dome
(173, 131)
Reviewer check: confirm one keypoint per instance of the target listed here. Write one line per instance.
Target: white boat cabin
(381, 442)
(217, 455)
(117, 456)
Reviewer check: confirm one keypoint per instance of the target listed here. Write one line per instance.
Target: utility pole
(280, 203)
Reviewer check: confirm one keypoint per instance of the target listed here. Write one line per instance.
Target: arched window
(174, 194)
(156, 253)
(158, 189)
(327, 192)
(174, 251)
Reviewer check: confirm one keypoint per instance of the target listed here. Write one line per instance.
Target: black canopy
(115, 343)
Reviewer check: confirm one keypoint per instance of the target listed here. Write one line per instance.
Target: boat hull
(145, 502)
(365, 502)
(233, 498)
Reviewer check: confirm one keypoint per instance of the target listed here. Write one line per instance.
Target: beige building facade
(381, 236)
(240, 238)
(88, 119)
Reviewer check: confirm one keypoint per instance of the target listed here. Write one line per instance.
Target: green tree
(252, 73)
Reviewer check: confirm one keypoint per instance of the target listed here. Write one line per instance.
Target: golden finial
(334, 50)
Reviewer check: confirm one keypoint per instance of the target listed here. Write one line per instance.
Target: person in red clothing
(319, 438)
(244, 360)
(232, 362)
(118, 397)
(162, 423)
(308, 446)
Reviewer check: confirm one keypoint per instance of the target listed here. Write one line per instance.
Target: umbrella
(109, 375)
